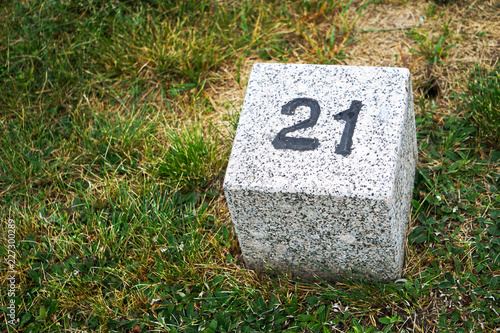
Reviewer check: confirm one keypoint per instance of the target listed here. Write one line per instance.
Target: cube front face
(312, 236)
(321, 171)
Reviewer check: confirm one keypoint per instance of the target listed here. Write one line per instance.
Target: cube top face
(320, 130)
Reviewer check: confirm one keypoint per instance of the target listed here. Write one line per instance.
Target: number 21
(350, 116)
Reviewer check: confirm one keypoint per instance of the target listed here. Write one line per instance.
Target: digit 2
(350, 116)
(281, 141)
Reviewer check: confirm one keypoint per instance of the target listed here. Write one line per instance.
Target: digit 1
(350, 116)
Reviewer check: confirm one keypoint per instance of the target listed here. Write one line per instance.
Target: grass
(433, 49)
(483, 103)
(192, 161)
(114, 146)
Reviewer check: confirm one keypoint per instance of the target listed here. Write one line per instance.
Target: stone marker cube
(320, 178)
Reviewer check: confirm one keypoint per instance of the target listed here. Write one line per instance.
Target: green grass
(111, 168)
(483, 101)
(433, 49)
(193, 159)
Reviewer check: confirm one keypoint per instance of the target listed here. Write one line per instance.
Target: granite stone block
(320, 178)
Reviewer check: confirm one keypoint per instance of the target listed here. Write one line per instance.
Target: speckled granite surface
(316, 209)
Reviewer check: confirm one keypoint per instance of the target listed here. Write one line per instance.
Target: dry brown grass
(382, 39)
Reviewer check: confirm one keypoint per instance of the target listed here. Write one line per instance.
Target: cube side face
(314, 236)
(400, 202)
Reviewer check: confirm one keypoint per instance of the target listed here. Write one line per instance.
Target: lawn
(117, 119)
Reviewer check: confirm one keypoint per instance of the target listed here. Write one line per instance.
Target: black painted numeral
(281, 141)
(350, 116)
